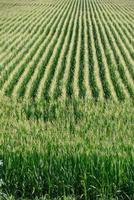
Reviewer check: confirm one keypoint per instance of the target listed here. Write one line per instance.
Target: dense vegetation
(73, 148)
(67, 99)
(67, 48)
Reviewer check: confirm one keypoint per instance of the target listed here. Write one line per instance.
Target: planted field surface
(81, 150)
(67, 48)
(62, 140)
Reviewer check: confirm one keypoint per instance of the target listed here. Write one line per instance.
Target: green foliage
(71, 149)
(67, 148)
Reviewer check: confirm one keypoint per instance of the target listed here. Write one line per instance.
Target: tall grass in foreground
(76, 149)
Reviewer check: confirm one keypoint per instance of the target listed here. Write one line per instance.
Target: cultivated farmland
(66, 100)
(67, 48)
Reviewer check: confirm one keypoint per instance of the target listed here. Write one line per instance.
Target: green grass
(74, 148)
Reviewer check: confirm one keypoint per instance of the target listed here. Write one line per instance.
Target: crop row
(74, 49)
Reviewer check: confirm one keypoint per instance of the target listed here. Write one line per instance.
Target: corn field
(66, 100)
(67, 49)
